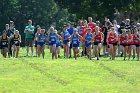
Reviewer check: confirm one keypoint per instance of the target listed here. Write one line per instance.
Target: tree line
(59, 12)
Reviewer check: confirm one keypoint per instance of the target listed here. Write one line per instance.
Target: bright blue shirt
(70, 30)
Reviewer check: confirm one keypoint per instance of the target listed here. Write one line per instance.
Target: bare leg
(27, 50)
(129, 51)
(137, 50)
(17, 51)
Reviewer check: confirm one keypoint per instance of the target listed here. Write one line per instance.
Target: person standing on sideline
(29, 35)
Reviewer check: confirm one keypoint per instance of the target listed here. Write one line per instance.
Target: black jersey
(4, 42)
(15, 41)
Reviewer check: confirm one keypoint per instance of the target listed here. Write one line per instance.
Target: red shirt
(84, 33)
(136, 38)
(92, 26)
(130, 39)
(123, 39)
(112, 38)
(81, 32)
(98, 37)
(100, 29)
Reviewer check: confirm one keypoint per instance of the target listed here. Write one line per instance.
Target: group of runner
(10, 41)
(88, 35)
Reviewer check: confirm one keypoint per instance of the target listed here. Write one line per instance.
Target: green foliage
(43, 13)
(98, 8)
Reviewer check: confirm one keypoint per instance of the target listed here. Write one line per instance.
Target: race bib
(80, 32)
(16, 42)
(74, 42)
(97, 40)
(52, 39)
(136, 40)
(4, 43)
(112, 39)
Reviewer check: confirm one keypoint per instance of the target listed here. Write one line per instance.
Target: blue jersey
(70, 30)
(41, 40)
(52, 38)
(88, 38)
(36, 36)
(75, 41)
(58, 42)
(66, 35)
(80, 30)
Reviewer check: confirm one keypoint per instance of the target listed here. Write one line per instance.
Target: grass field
(37, 75)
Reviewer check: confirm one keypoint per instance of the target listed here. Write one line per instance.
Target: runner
(75, 40)
(66, 42)
(105, 31)
(16, 40)
(123, 42)
(36, 38)
(136, 39)
(37, 30)
(4, 40)
(58, 44)
(41, 41)
(70, 30)
(82, 30)
(112, 40)
(98, 38)
(88, 42)
(52, 42)
(130, 43)
(91, 24)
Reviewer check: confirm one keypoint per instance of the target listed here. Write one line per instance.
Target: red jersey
(112, 38)
(130, 39)
(100, 29)
(123, 39)
(136, 39)
(81, 31)
(92, 26)
(98, 37)
(85, 30)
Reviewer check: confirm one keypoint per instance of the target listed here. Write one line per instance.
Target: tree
(97, 8)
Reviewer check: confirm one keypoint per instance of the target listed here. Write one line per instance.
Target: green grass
(37, 75)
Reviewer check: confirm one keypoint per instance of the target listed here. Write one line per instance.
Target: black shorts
(17, 44)
(104, 43)
(124, 45)
(2, 47)
(137, 45)
(96, 43)
(114, 44)
(129, 44)
(70, 45)
(29, 42)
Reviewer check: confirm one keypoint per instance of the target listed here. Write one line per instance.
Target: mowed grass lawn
(37, 75)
